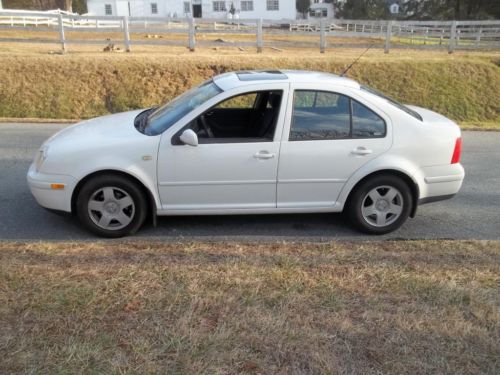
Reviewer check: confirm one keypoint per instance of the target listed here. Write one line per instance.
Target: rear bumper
(435, 199)
(441, 182)
(40, 186)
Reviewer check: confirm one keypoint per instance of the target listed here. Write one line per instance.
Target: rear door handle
(361, 151)
(263, 155)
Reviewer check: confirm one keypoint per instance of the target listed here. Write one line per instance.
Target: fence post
(388, 35)
(322, 36)
(61, 33)
(191, 34)
(260, 43)
(126, 34)
(478, 37)
(453, 35)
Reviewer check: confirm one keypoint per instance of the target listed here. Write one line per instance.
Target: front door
(234, 166)
(330, 136)
(197, 11)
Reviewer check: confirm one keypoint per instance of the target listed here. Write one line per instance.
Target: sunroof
(262, 75)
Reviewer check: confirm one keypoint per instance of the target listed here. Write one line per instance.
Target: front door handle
(361, 151)
(263, 155)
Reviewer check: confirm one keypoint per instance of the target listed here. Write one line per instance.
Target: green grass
(401, 307)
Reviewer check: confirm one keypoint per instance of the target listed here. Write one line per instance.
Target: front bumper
(41, 187)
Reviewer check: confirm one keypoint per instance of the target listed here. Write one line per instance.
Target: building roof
(231, 80)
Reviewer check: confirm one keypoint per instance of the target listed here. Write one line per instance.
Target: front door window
(249, 117)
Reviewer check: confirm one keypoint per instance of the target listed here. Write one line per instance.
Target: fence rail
(452, 35)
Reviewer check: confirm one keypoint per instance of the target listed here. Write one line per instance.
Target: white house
(266, 9)
(394, 8)
(320, 9)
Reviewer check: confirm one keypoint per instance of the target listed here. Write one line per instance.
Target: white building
(394, 8)
(266, 9)
(320, 9)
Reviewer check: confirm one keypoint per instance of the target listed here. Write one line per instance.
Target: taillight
(457, 151)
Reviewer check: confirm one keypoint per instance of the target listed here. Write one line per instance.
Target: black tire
(121, 187)
(359, 199)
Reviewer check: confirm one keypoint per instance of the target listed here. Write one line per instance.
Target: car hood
(106, 142)
(111, 128)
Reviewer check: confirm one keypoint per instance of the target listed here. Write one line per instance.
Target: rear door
(328, 135)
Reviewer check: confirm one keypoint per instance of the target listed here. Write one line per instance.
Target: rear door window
(323, 115)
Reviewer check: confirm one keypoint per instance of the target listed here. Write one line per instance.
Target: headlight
(40, 157)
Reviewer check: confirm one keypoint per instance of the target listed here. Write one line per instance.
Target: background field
(366, 307)
(86, 82)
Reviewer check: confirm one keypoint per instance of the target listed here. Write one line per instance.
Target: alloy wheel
(382, 206)
(111, 208)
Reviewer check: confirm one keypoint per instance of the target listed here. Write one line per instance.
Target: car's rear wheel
(111, 206)
(380, 205)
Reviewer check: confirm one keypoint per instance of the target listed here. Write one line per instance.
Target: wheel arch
(412, 184)
(149, 194)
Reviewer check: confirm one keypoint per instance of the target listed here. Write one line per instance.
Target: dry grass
(87, 82)
(366, 307)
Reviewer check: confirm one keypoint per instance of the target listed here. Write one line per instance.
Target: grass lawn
(366, 307)
(37, 82)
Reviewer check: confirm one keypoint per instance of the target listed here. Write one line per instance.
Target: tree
(303, 6)
(452, 9)
(79, 6)
(365, 9)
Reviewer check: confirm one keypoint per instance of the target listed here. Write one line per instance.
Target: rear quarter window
(365, 122)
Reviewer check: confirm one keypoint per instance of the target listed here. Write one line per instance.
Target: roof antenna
(355, 61)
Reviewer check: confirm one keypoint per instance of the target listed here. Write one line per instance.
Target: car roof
(232, 80)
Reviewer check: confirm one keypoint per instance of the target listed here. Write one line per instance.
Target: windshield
(165, 116)
(402, 107)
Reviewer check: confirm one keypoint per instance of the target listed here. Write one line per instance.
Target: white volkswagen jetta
(253, 142)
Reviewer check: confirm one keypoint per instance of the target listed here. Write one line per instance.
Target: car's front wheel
(111, 206)
(380, 205)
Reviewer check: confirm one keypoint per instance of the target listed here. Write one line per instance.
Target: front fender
(145, 175)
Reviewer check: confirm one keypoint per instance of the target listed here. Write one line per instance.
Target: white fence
(389, 34)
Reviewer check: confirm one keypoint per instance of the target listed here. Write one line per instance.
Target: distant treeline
(352, 9)
(412, 9)
(78, 6)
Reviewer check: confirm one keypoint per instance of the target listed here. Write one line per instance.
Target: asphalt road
(473, 214)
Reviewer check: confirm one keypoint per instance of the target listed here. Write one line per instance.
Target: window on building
(154, 8)
(246, 6)
(219, 6)
(394, 8)
(108, 10)
(318, 13)
(273, 5)
(187, 7)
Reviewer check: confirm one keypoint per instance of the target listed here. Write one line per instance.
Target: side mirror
(189, 137)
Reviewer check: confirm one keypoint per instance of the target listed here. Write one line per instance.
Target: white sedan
(253, 142)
